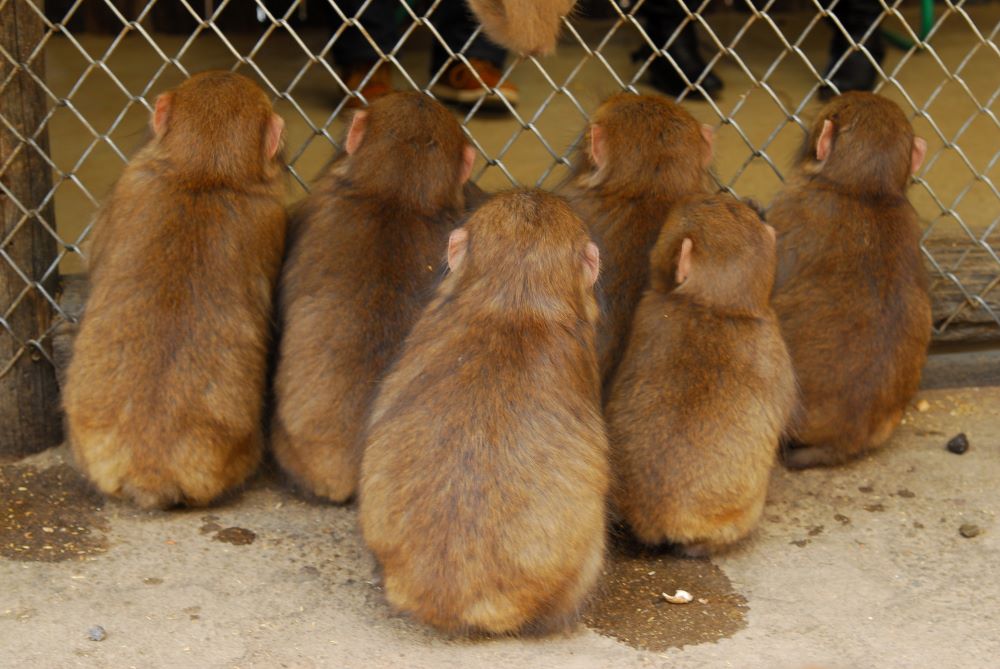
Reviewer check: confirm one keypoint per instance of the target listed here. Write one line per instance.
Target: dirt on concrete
(886, 562)
(49, 515)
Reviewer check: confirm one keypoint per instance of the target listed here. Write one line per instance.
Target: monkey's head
(525, 251)
(865, 142)
(408, 146)
(218, 128)
(718, 251)
(645, 143)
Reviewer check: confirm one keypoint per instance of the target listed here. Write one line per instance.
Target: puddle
(49, 515)
(237, 536)
(629, 605)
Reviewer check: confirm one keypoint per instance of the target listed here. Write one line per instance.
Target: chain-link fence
(78, 77)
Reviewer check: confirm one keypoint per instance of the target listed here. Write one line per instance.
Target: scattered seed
(679, 597)
(923, 406)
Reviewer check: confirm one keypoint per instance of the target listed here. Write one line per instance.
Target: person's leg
(661, 18)
(354, 53)
(454, 22)
(856, 72)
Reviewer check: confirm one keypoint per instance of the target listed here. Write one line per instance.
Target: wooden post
(29, 396)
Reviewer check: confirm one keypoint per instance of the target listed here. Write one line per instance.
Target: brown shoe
(378, 85)
(459, 85)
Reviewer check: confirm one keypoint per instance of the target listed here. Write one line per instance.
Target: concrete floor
(953, 112)
(854, 567)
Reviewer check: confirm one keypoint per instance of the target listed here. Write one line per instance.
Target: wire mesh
(99, 88)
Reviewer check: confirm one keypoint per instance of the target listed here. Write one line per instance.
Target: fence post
(29, 396)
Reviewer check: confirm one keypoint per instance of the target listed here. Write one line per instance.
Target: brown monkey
(165, 389)
(851, 289)
(485, 467)
(644, 154)
(526, 27)
(706, 386)
(364, 257)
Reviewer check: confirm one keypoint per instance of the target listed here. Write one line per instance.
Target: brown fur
(165, 390)
(365, 256)
(485, 470)
(527, 27)
(705, 387)
(851, 291)
(655, 154)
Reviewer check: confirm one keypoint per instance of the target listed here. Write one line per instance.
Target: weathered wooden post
(29, 396)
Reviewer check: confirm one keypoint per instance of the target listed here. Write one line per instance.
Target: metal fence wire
(99, 64)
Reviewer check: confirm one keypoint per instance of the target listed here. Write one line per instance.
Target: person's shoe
(380, 83)
(459, 85)
(666, 79)
(856, 73)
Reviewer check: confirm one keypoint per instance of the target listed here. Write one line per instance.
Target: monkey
(485, 469)
(643, 154)
(705, 388)
(365, 254)
(851, 291)
(165, 388)
(526, 27)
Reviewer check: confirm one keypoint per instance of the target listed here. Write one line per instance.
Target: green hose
(926, 23)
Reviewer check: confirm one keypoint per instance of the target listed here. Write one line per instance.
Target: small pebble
(959, 444)
(97, 633)
(923, 406)
(968, 530)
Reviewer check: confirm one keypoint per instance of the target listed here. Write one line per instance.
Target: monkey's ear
(684, 262)
(598, 150)
(357, 131)
(275, 130)
(825, 141)
(161, 113)
(592, 262)
(458, 241)
(917, 156)
(708, 133)
(468, 158)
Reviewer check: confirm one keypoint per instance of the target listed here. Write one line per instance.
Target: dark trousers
(662, 17)
(451, 18)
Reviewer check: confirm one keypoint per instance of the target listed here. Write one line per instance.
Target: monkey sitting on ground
(645, 153)
(364, 257)
(165, 389)
(851, 288)
(705, 387)
(485, 468)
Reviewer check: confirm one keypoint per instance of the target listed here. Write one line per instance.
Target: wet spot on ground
(629, 604)
(238, 536)
(49, 515)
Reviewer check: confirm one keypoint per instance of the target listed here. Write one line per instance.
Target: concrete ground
(860, 566)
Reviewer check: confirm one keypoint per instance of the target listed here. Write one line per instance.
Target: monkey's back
(485, 472)
(852, 299)
(165, 389)
(625, 230)
(694, 417)
(357, 274)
